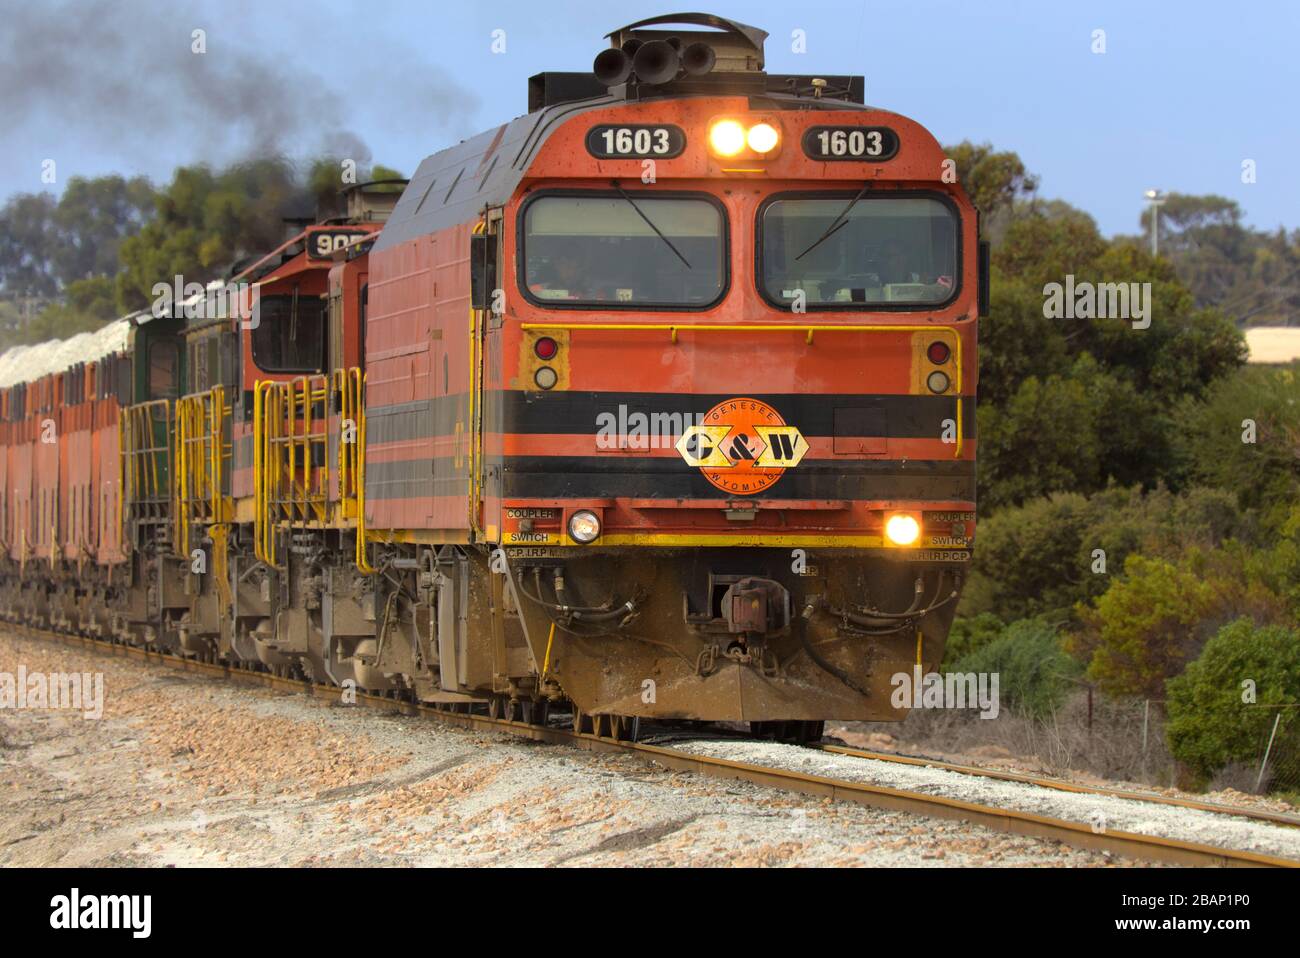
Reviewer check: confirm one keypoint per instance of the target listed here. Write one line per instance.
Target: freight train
(655, 402)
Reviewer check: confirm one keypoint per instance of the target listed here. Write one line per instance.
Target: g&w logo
(742, 446)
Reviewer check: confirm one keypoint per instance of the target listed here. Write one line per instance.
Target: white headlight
(763, 138)
(584, 526)
(902, 530)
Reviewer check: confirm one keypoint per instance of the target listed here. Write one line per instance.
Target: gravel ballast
(185, 769)
(1097, 811)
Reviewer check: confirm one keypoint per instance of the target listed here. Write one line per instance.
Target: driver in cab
(566, 275)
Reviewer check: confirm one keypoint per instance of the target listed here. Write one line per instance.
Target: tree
(1251, 275)
(29, 245)
(87, 305)
(1245, 438)
(1072, 404)
(1044, 440)
(208, 221)
(1209, 725)
(45, 243)
(1043, 244)
(92, 219)
(1146, 626)
(993, 180)
(1045, 557)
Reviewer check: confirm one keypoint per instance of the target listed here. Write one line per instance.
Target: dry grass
(1062, 742)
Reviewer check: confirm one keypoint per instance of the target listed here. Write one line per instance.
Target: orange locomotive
(655, 402)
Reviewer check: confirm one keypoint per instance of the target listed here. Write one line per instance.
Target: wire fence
(1279, 752)
(1121, 739)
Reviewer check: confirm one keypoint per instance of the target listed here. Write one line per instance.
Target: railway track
(1084, 835)
(1262, 815)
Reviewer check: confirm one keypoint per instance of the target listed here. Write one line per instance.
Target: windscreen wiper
(623, 193)
(836, 224)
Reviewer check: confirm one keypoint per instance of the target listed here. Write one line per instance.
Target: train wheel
(813, 731)
(804, 733)
(541, 712)
(793, 732)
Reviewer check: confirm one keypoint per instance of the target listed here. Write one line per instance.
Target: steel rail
(1132, 844)
(1263, 815)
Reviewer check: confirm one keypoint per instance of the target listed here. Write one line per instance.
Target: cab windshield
(878, 251)
(623, 249)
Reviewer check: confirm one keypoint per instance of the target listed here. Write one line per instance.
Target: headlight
(584, 527)
(937, 381)
(902, 530)
(727, 138)
(546, 378)
(763, 138)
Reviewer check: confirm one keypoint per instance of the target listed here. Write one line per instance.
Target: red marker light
(938, 353)
(546, 348)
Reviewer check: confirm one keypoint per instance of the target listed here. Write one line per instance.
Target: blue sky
(1183, 94)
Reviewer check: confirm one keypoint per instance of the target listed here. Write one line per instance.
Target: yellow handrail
(362, 560)
(263, 545)
(285, 429)
(198, 484)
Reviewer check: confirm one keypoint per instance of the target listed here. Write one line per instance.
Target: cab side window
(290, 334)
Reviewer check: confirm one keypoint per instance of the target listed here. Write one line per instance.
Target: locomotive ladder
(201, 499)
(292, 438)
(145, 438)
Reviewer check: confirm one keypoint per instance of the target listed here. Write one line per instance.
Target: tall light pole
(1156, 198)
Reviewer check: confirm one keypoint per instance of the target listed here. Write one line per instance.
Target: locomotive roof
(452, 185)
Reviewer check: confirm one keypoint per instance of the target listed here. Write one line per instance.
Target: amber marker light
(763, 137)
(726, 137)
(902, 530)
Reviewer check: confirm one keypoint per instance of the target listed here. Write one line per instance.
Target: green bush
(1278, 567)
(1208, 724)
(1038, 559)
(1265, 474)
(1034, 673)
(1146, 627)
(969, 634)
